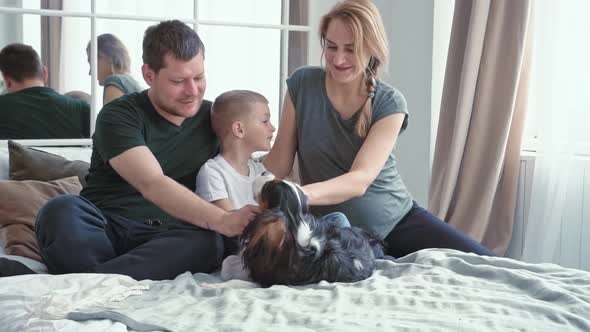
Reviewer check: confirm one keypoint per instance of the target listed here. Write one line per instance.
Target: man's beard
(171, 109)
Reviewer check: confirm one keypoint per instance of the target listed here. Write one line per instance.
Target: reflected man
(29, 109)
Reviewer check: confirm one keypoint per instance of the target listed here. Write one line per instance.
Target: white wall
(409, 26)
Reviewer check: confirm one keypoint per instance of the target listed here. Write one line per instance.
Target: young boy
(241, 120)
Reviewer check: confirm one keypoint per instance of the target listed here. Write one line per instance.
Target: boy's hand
(233, 223)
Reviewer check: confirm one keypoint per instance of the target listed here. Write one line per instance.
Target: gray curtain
(51, 42)
(476, 159)
(298, 41)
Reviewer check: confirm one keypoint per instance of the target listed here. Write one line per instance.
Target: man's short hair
(170, 37)
(20, 62)
(231, 106)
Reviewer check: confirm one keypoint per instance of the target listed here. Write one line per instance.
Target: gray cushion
(32, 164)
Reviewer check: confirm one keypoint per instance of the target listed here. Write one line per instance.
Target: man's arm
(141, 169)
(224, 204)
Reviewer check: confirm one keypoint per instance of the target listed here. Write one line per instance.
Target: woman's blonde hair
(113, 49)
(369, 38)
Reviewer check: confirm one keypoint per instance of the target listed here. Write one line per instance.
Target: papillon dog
(287, 245)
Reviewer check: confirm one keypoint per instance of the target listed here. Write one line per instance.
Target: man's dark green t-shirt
(41, 112)
(131, 121)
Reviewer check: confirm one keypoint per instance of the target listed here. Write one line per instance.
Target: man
(138, 214)
(32, 111)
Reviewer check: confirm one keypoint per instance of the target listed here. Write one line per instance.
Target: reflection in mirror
(181, 9)
(298, 40)
(28, 4)
(2, 86)
(298, 12)
(34, 105)
(72, 5)
(236, 58)
(119, 56)
(113, 68)
(62, 43)
(298, 50)
(243, 11)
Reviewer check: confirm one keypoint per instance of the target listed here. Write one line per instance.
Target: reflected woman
(113, 65)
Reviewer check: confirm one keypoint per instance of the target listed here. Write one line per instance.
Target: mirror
(181, 10)
(120, 42)
(248, 11)
(235, 59)
(60, 43)
(236, 56)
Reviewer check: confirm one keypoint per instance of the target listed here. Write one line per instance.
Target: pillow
(31, 164)
(20, 240)
(20, 203)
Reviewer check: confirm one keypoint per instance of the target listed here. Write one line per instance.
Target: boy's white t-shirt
(217, 179)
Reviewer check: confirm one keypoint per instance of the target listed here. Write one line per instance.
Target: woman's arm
(280, 158)
(366, 166)
(111, 93)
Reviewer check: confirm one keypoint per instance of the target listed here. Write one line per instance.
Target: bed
(430, 290)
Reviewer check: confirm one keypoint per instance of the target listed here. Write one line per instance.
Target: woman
(113, 68)
(343, 123)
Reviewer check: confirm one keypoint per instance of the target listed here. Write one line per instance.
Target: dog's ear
(272, 230)
(265, 244)
(259, 183)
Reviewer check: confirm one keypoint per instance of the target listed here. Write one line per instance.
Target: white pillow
(70, 152)
(4, 162)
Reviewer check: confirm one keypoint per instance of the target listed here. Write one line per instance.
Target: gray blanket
(431, 290)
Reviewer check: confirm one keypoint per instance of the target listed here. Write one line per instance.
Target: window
(560, 76)
(249, 44)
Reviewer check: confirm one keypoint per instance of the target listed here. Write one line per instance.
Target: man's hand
(233, 223)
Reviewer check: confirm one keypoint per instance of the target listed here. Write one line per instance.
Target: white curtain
(558, 116)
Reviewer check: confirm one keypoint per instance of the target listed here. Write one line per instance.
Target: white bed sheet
(431, 290)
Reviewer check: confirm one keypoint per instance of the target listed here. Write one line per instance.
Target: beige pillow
(20, 203)
(31, 164)
(20, 240)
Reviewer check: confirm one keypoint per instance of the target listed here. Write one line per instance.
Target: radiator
(573, 247)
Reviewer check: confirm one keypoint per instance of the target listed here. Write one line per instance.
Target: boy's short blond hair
(231, 106)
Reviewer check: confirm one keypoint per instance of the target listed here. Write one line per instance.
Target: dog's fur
(287, 245)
